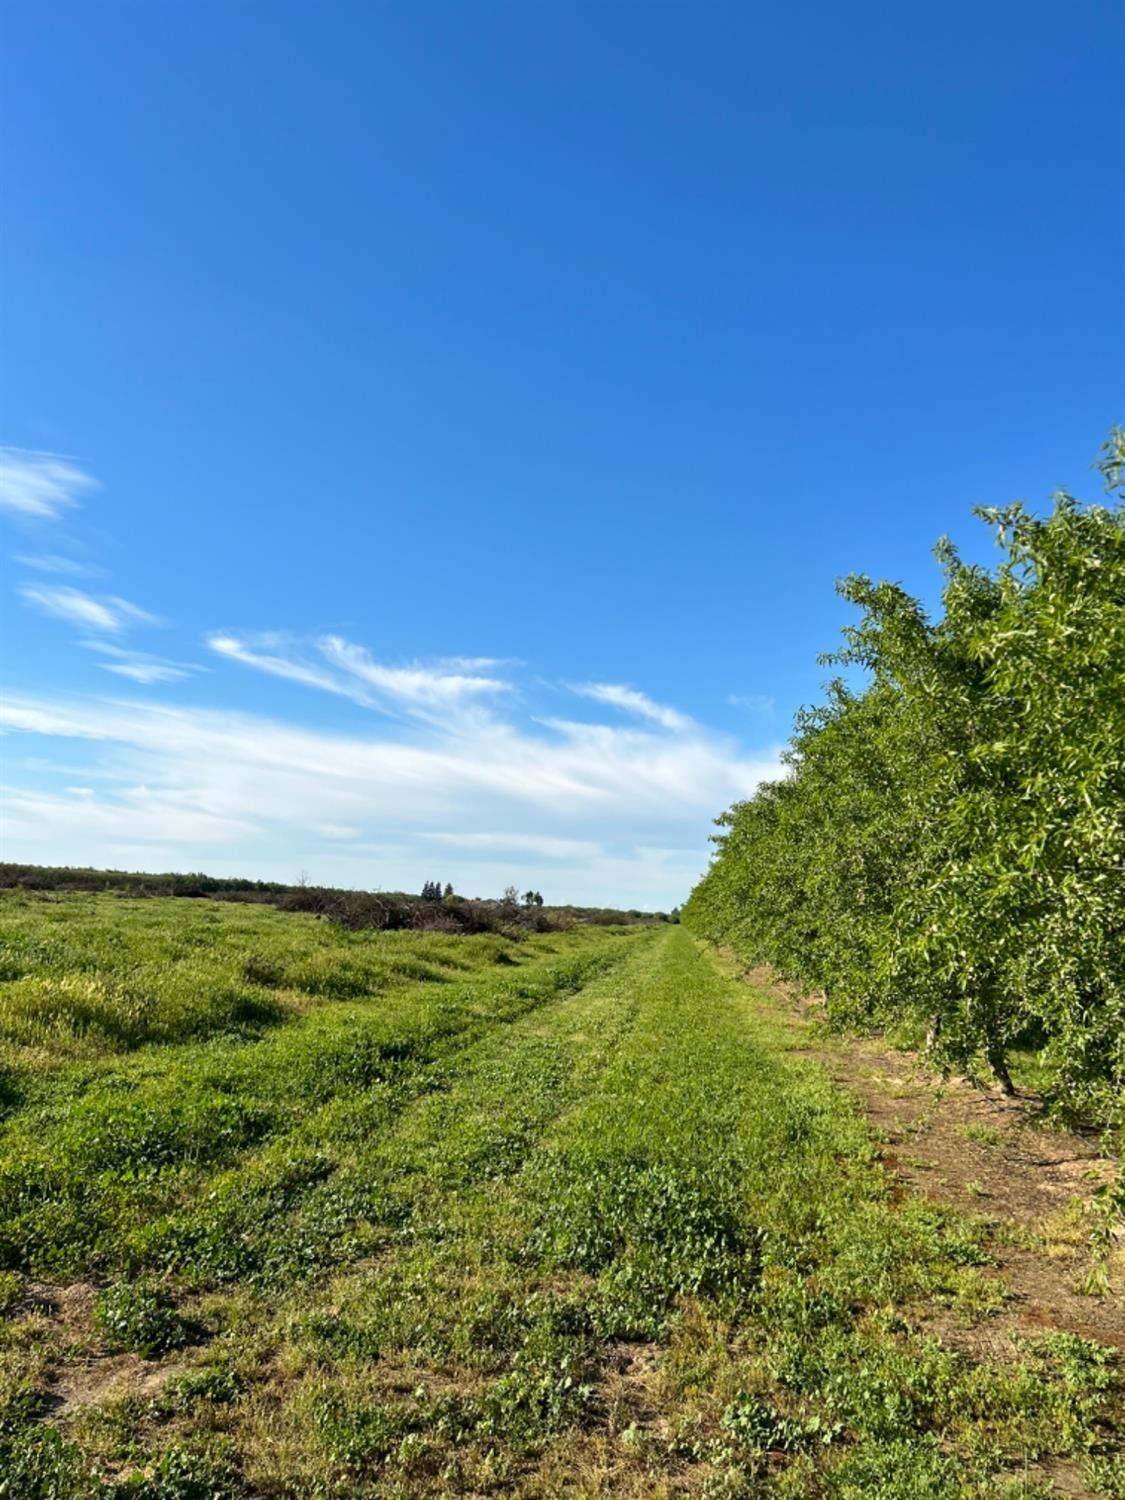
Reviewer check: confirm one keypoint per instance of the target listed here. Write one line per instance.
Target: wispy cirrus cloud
(260, 652)
(420, 686)
(456, 771)
(148, 672)
(593, 812)
(140, 666)
(631, 701)
(51, 562)
(104, 613)
(43, 485)
(335, 665)
(476, 663)
(40, 486)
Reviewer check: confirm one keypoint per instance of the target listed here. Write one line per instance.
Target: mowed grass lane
(196, 1157)
(606, 1239)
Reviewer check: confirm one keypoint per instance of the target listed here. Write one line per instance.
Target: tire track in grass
(444, 1302)
(136, 1172)
(476, 1123)
(727, 1202)
(717, 1206)
(497, 1093)
(635, 1170)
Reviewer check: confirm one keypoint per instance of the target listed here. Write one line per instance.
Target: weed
(140, 1317)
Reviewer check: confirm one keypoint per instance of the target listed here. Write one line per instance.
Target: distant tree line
(437, 909)
(947, 848)
(137, 882)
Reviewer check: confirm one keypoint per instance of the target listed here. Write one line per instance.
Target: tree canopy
(948, 846)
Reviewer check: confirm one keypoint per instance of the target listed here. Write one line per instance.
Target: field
(287, 1210)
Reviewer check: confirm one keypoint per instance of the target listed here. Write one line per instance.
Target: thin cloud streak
(631, 701)
(759, 703)
(419, 686)
(428, 691)
(147, 672)
(40, 486)
(288, 668)
(108, 614)
(140, 666)
(53, 563)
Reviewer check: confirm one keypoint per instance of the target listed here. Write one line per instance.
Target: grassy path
(601, 1237)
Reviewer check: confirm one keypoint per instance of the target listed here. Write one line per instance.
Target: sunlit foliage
(948, 848)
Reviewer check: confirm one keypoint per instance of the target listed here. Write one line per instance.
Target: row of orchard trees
(948, 846)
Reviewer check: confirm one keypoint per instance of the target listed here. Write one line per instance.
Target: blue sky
(433, 432)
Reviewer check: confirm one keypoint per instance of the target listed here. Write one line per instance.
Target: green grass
(464, 1216)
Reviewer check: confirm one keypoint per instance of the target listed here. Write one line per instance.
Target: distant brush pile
(389, 912)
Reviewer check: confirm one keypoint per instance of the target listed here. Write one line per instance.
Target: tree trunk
(994, 1051)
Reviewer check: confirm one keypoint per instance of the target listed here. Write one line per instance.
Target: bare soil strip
(976, 1150)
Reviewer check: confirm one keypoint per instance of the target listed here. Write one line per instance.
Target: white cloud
(66, 603)
(477, 663)
(633, 702)
(131, 612)
(42, 820)
(53, 563)
(108, 614)
(39, 485)
(415, 686)
(147, 672)
(423, 690)
(140, 666)
(235, 649)
(585, 812)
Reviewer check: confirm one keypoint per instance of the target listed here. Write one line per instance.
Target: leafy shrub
(754, 1427)
(110, 1131)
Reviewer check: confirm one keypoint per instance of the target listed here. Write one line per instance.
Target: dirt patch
(628, 1392)
(108, 1377)
(979, 1151)
(70, 1307)
(76, 1367)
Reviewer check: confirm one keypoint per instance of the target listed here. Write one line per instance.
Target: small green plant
(757, 1428)
(185, 1472)
(356, 1433)
(1105, 1473)
(1108, 1211)
(139, 1316)
(11, 1289)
